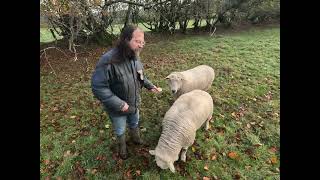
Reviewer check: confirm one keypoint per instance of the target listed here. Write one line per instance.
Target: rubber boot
(135, 136)
(122, 146)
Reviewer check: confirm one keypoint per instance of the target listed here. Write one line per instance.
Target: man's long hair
(124, 52)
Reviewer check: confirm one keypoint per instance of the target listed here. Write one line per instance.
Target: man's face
(137, 41)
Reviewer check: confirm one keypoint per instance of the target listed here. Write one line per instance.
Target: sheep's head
(174, 81)
(161, 163)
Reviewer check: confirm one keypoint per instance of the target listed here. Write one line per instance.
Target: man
(117, 82)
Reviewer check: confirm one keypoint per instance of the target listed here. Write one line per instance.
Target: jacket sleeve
(146, 83)
(101, 89)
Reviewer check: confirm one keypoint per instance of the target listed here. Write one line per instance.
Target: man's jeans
(119, 122)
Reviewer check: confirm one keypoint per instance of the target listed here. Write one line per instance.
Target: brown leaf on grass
(213, 157)
(55, 109)
(234, 114)
(94, 171)
(206, 167)
(145, 162)
(258, 145)
(238, 137)
(237, 176)
(138, 172)
(233, 155)
(101, 158)
(46, 162)
(274, 160)
(79, 169)
(178, 168)
(248, 126)
(128, 174)
(67, 153)
(115, 156)
(272, 150)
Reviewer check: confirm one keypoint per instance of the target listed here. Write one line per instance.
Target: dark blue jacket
(116, 83)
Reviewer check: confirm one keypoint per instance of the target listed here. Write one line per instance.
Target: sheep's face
(161, 163)
(174, 81)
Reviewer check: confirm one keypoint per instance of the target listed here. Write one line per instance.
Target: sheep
(200, 77)
(180, 123)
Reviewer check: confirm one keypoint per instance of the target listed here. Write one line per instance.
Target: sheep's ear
(171, 166)
(168, 77)
(152, 152)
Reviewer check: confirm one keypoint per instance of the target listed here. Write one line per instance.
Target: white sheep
(200, 77)
(187, 114)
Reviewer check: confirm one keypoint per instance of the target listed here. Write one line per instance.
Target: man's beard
(137, 52)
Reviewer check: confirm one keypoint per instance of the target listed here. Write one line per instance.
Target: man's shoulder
(108, 54)
(106, 57)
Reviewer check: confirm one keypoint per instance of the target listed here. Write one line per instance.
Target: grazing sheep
(187, 114)
(200, 77)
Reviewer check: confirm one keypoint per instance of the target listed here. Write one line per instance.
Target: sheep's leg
(207, 122)
(183, 155)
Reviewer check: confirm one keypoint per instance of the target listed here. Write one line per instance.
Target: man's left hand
(156, 89)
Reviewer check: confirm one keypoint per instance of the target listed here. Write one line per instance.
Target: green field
(242, 143)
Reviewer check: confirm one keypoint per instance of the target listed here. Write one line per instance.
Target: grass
(244, 138)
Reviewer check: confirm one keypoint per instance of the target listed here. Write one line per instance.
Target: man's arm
(101, 89)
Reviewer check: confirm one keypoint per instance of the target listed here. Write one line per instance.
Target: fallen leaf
(72, 117)
(205, 178)
(94, 171)
(143, 130)
(206, 167)
(258, 145)
(234, 114)
(193, 149)
(248, 126)
(214, 157)
(107, 126)
(46, 162)
(73, 141)
(128, 174)
(237, 176)
(252, 123)
(67, 153)
(138, 172)
(274, 160)
(233, 155)
(100, 158)
(272, 150)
